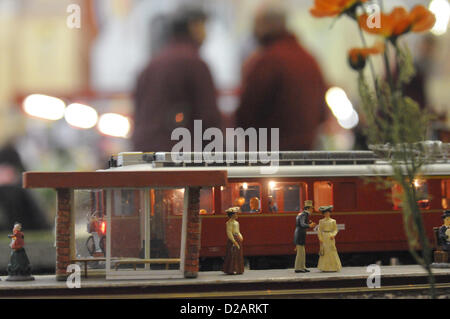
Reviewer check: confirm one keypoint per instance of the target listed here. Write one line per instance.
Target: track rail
(233, 290)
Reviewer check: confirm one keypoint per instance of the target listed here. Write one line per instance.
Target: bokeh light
(441, 9)
(81, 116)
(113, 124)
(342, 108)
(44, 107)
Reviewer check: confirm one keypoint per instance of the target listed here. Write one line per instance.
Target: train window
(445, 193)
(206, 201)
(323, 194)
(89, 221)
(173, 201)
(245, 195)
(421, 187)
(123, 202)
(286, 197)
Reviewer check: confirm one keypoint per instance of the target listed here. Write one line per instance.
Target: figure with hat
(19, 268)
(444, 232)
(234, 257)
(302, 224)
(327, 231)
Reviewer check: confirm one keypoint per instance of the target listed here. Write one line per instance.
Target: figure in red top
(282, 85)
(19, 268)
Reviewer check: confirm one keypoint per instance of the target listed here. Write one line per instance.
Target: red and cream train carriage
(369, 218)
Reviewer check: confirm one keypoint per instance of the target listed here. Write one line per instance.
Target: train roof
(287, 164)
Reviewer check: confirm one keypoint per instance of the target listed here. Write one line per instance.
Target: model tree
(395, 124)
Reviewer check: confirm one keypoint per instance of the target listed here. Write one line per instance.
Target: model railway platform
(276, 283)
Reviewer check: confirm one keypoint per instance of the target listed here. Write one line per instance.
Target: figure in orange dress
(254, 205)
(239, 201)
(234, 257)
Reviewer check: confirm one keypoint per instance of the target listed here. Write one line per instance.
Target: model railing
(431, 151)
(195, 159)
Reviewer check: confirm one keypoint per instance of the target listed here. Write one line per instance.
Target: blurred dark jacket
(17, 204)
(175, 89)
(283, 88)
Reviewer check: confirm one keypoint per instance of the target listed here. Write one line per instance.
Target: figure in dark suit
(444, 232)
(302, 224)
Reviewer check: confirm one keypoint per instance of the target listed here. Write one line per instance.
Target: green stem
(387, 66)
(397, 55)
(372, 69)
(412, 210)
(404, 162)
(426, 249)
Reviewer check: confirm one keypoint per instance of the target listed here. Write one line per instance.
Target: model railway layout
(369, 218)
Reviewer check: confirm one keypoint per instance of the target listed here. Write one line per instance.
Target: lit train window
(98, 201)
(323, 194)
(421, 187)
(173, 201)
(206, 201)
(445, 193)
(286, 197)
(245, 195)
(397, 192)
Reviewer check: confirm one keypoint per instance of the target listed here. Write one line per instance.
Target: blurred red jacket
(18, 241)
(282, 87)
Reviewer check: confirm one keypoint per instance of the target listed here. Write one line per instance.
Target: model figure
(327, 231)
(19, 268)
(302, 224)
(444, 232)
(234, 257)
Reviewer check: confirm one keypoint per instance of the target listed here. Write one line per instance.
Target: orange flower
(331, 8)
(357, 56)
(392, 24)
(421, 19)
(399, 21)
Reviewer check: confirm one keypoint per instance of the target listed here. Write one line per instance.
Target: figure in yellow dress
(234, 257)
(327, 231)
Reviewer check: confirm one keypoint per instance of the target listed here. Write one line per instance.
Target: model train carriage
(369, 218)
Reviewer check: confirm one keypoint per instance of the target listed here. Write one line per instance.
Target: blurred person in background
(176, 87)
(417, 89)
(424, 65)
(16, 203)
(282, 85)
